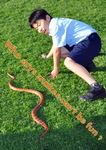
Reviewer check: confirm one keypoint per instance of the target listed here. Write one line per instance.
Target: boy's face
(42, 25)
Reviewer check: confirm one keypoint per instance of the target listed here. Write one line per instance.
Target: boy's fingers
(43, 55)
(52, 76)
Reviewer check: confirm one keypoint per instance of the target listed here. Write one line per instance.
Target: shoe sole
(97, 97)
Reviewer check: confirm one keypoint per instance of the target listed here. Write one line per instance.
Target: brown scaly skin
(33, 113)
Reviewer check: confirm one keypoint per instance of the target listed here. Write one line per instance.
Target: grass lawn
(66, 132)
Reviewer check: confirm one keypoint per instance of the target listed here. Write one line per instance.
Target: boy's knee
(67, 61)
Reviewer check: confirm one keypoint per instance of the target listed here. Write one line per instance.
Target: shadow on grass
(100, 69)
(102, 54)
(76, 138)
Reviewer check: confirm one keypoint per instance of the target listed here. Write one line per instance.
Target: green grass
(18, 130)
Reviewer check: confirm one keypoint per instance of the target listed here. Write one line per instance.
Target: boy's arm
(56, 59)
(50, 53)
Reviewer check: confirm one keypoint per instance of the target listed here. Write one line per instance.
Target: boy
(74, 41)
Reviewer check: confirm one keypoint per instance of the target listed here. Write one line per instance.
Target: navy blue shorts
(85, 51)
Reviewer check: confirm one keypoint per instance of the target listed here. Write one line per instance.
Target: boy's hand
(53, 74)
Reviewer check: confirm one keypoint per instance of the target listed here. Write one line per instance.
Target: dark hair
(36, 15)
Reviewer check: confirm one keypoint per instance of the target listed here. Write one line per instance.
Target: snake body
(34, 110)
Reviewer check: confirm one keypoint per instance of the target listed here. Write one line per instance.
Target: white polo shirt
(68, 31)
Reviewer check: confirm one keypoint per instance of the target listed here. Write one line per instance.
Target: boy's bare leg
(96, 90)
(79, 70)
(64, 52)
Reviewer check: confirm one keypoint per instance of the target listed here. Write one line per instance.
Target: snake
(36, 108)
